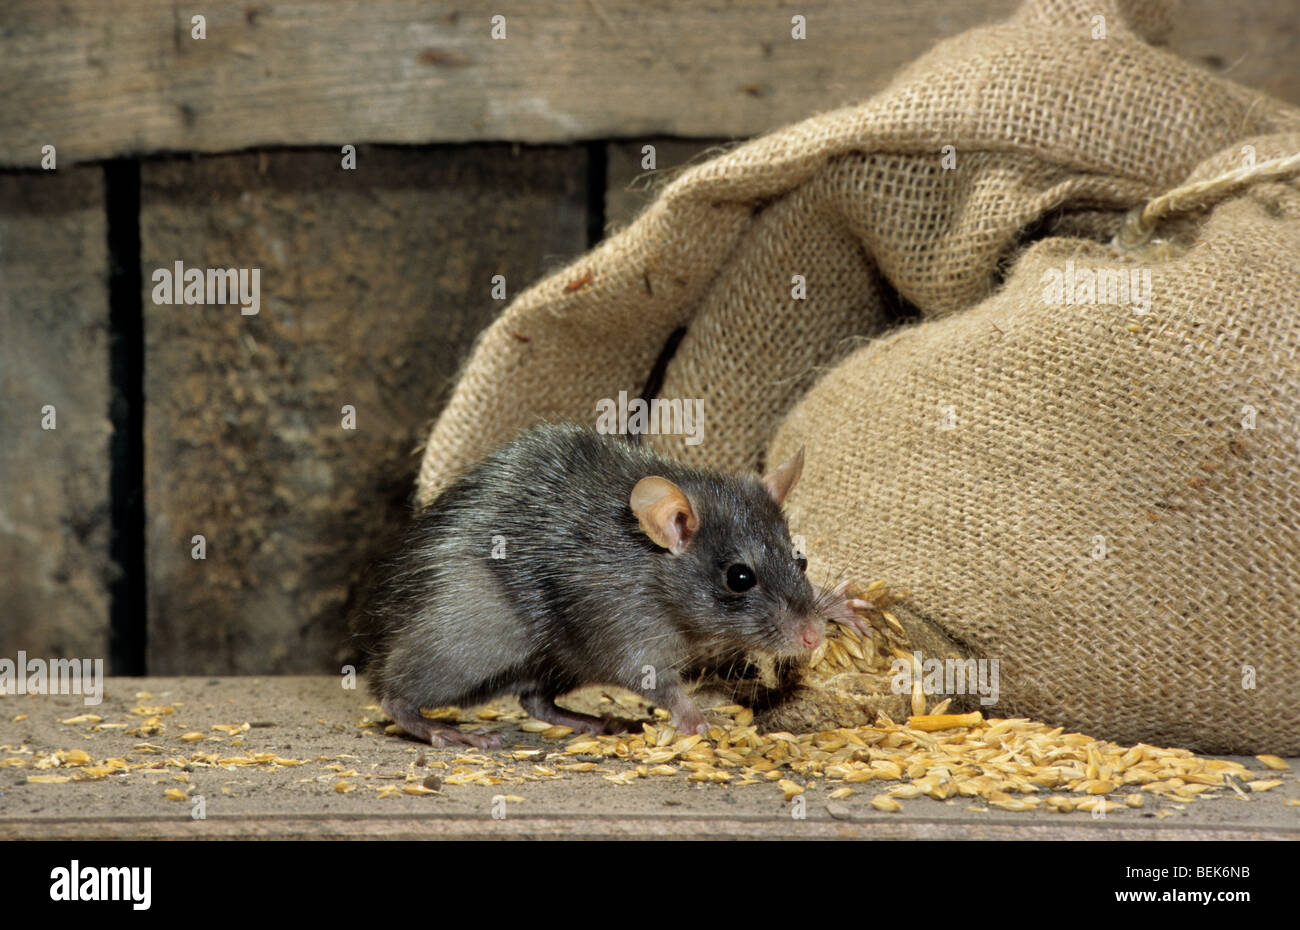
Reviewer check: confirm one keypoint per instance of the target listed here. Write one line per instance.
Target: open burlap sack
(1101, 496)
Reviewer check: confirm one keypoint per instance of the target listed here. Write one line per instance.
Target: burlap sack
(1101, 493)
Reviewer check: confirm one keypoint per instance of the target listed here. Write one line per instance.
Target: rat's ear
(781, 479)
(664, 513)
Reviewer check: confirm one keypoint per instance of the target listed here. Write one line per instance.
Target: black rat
(571, 558)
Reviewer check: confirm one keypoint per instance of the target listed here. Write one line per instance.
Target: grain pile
(850, 678)
(144, 758)
(1008, 764)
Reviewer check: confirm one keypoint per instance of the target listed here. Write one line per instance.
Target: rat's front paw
(839, 608)
(691, 723)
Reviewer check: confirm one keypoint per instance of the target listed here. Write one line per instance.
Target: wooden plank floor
(315, 720)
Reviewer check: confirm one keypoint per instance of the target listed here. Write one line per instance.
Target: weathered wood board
(1252, 42)
(373, 284)
(55, 569)
(100, 79)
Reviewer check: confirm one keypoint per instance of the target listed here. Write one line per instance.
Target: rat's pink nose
(810, 637)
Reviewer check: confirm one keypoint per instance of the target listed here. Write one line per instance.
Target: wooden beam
(606, 826)
(99, 78)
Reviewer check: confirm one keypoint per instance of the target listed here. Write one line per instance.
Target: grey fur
(582, 596)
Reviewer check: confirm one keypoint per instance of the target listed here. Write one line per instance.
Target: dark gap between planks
(127, 609)
(597, 181)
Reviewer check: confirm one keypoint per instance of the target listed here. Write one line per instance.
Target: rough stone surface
(374, 283)
(54, 512)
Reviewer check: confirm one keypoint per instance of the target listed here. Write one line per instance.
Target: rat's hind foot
(544, 708)
(436, 734)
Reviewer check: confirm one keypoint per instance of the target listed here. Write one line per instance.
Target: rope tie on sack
(1141, 222)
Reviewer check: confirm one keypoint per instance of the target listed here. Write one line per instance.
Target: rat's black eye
(801, 562)
(740, 578)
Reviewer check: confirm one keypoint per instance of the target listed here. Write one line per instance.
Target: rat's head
(730, 570)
